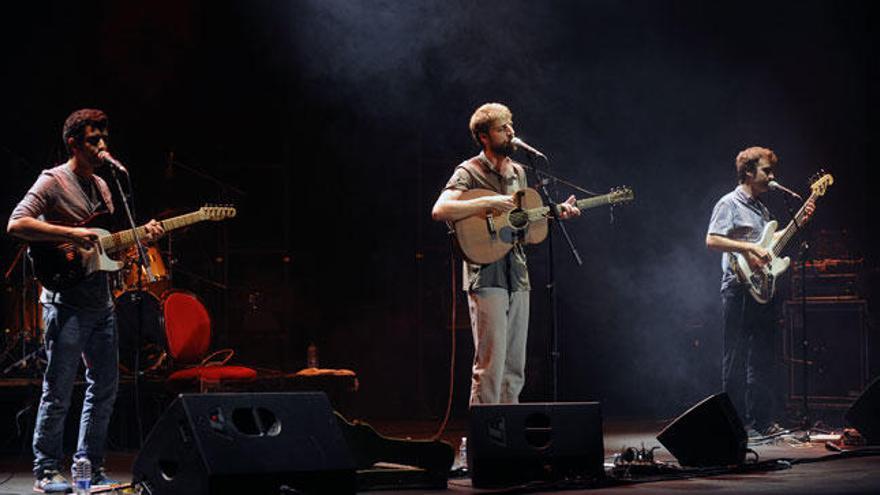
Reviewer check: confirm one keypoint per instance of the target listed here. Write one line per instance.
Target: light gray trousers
(500, 323)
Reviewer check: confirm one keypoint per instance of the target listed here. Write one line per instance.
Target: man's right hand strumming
(757, 256)
(82, 237)
(498, 202)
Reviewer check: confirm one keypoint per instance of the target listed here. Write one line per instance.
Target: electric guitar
(761, 282)
(486, 237)
(60, 266)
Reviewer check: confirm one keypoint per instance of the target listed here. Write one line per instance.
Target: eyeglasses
(95, 140)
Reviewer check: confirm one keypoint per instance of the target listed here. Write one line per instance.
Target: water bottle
(81, 472)
(312, 355)
(462, 454)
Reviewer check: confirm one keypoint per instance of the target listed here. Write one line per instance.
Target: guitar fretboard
(125, 238)
(582, 204)
(793, 226)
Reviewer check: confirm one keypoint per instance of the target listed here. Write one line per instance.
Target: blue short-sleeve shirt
(740, 217)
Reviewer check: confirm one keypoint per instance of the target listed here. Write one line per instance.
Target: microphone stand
(542, 179)
(805, 343)
(224, 190)
(143, 261)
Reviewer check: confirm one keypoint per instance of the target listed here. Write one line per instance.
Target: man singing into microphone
(747, 365)
(79, 322)
(498, 293)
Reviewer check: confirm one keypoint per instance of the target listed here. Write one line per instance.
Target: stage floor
(859, 475)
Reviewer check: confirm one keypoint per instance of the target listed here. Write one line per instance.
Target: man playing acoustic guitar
(749, 329)
(498, 292)
(79, 321)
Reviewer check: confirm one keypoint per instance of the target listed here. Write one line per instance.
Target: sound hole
(538, 430)
(257, 421)
(518, 219)
(168, 469)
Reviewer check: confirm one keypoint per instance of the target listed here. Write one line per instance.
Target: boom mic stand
(806, 420)
(225, 191)
(143, 261)
(803, 255)
(542, 179)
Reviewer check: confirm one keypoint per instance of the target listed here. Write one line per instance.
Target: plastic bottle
(312, 355)
(462, 454)
(81, 472)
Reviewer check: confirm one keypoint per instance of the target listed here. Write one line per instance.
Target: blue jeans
(71, 335)
(749, 367)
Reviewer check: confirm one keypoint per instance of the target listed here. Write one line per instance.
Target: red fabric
(187, 327)
(214, 373)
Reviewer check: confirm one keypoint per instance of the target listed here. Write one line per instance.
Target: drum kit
(21, 317)
(151, 317)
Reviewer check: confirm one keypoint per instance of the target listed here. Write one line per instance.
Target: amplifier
(837, 350)
(838, 285)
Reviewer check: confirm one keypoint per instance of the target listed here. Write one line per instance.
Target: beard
(503, 149)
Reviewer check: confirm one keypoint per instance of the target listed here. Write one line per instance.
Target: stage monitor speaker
(864, 415)
(246, 443)
(708, 434)
(517, 443)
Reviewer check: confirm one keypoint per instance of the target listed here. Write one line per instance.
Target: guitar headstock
(820, 182)
(216, 213)
(620, 194)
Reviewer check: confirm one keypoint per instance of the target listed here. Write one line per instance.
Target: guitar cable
(445, 421)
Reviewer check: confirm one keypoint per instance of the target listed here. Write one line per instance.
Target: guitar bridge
(490, 225)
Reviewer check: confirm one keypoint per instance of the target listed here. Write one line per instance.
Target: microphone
(522, 144)
(108, 159)
(779, 187)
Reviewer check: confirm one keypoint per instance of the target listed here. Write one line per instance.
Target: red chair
(188, 331)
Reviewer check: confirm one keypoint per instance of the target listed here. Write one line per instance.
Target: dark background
(333, 124)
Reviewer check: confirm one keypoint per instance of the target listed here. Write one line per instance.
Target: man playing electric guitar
(498, 292)
(79, 321)
(738, 219)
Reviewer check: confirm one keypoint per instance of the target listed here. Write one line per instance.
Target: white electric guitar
(761, 282)
(60, 266)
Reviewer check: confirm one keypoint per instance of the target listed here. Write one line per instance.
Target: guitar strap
(479, 177)
(104, 194)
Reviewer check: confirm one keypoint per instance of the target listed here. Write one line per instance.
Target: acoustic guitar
(486, 237)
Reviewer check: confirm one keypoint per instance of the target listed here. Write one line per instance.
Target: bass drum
(177, 326)
(140, 313)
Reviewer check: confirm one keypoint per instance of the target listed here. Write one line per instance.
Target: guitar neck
(125, 238)
(582, 204)
(595, 201)
(793, 226)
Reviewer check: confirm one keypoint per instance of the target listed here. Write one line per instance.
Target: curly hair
(747, 161)
(485, 116)
(75, 125)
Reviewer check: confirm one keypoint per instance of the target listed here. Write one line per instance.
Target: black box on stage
(708, 434)
(837, 350)
(511, 444)
(864, 415)
(246, 443)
